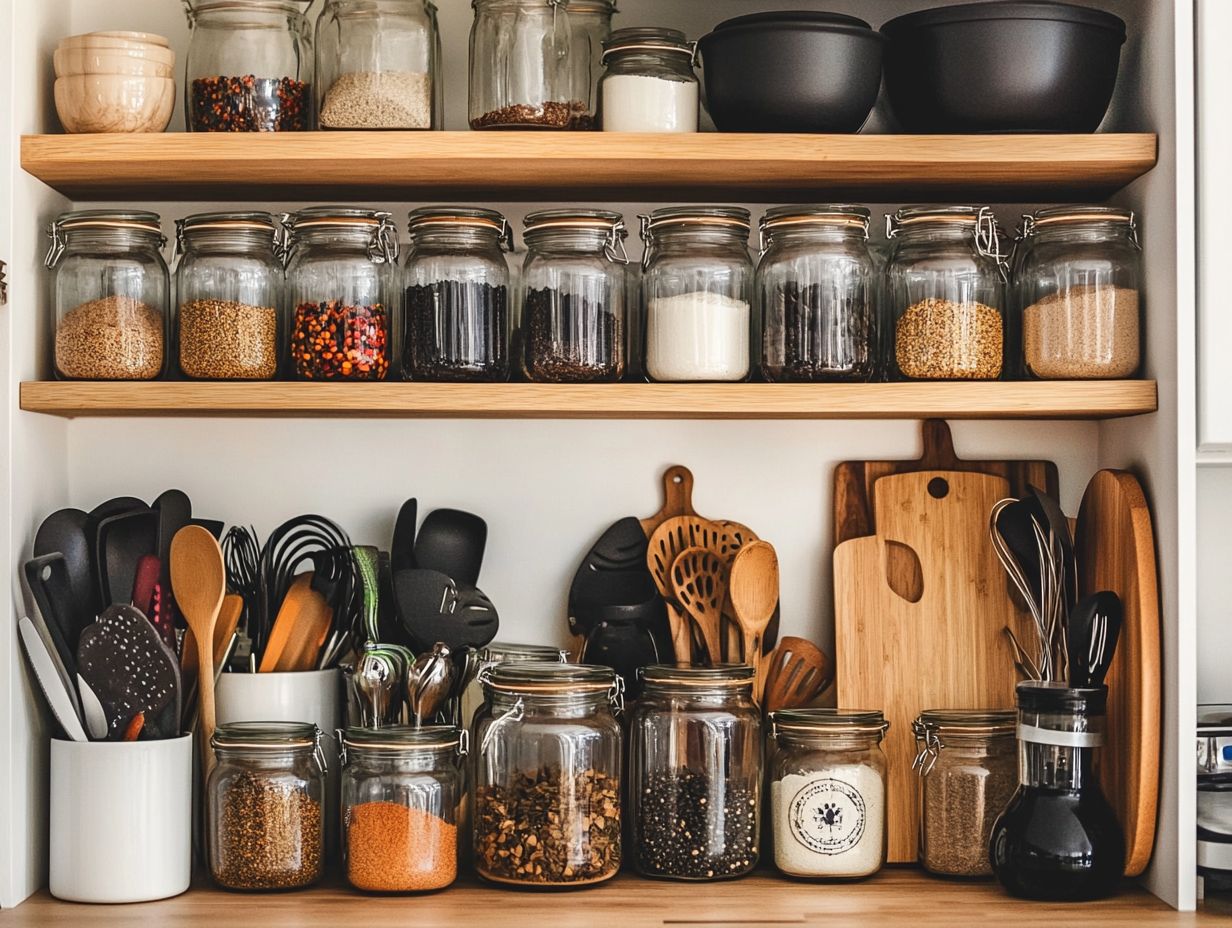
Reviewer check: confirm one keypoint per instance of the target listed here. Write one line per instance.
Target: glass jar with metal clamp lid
(573, 291)
(266, 801)
(649, 84)
(110, 287)
(945, 286)
(1215, 797)
(546, 776)
(499, 652)
(341, 280)
(968, 767)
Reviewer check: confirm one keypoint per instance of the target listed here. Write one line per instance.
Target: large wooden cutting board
(945, 651)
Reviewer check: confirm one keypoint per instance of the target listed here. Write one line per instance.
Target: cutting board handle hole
(46, 574)
(938, 488)
(904, 573)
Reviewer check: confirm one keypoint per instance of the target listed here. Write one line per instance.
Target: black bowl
(791, 72)
(1031, 66)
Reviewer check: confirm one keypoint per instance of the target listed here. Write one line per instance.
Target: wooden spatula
(699, 582)
(224, 628)
(199, 581)
(754, 592)
(798, 672)
(299, 632)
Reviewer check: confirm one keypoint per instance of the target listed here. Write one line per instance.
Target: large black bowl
(1009, 66)
(791, 72)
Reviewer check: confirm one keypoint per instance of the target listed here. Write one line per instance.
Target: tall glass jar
(110, 287)
(968, 766)
(341, 279)
(816, 284)
(456, 308)
(265, 806)
(697, 289)
(402, 793)
(535, 63)
(573, 290)
(695, 757)
(249, 66)
(649, 84)
(1078, 286)
(378, 63)
(229, 288)
(547, 775)
(945, 284)
(828, 792)
(500, 652)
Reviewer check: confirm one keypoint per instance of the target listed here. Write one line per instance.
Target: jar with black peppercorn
(341, 279)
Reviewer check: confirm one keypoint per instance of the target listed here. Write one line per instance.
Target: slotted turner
(799, 672)
(699, 583)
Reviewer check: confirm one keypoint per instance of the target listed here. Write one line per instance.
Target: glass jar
(456, 316)
(695, 758)
(341, 278)
(945, 289)
(249, 66)
(697, 284)
(1078, 286)
(547, 775)
(828, 792)
(110, 288)
(649, 84)
(968, 766)
(229, 287)
(816, 283)
(500, 652)
(572, 291)
(535, 63)
(377, 65)
(1058, 838)
(266, 800)
(401, 803)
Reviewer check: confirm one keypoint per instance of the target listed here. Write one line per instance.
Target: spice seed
(551, 115)
(249, 104)
(945, 340)
(1083, 333)
(393, 848)
(681, 833)
(379, 100)
(333, 341)
(227, 340)
(115, 338)
(268, 835)
(570, 339)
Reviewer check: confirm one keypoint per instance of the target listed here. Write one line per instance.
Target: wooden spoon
(754, 592)
(798, 673)
(699, 582)
(228, 620)
(199, 581)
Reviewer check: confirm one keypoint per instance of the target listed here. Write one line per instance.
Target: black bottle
(1058, 838)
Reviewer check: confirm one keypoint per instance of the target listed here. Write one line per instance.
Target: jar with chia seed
(968, 767)
(265, 801)
(695, 758)
(341, 279)
(573, 288)
(229, 287)
(546, 776)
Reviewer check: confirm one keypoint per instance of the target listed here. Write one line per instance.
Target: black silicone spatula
(402, 548)
(124, 540)
(432, 608)
(621, 547)
(105, 510)
(174, 510)
(47, 577)
(452, 542)
(64, 532)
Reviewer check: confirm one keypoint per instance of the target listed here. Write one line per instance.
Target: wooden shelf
(994, 400)
(591, 165)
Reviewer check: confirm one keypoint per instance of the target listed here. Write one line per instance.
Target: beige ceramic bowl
(122, 46)
(70, 61)
(149, 38)
(114, 103)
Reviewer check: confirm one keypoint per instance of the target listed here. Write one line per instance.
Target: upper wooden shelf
(992, 400)
(590, 165)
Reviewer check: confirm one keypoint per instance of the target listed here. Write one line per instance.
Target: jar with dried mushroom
(110, 287)
(547, 771)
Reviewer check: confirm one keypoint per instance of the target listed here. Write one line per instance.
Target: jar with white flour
(697, 294)
(828, 792)
(649, 84)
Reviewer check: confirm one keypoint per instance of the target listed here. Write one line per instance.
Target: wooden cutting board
(945, 651)
(1116, 551)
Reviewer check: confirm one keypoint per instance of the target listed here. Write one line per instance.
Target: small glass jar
(695, 758)
(341, 278)
(229, 287)
(945, 284)
(249, 66)
(649, 84)
(816, 284)
(547, 775)
(828, 792)
(1058, 838)
(500, 652)
(266, 800)
(573, 289)
(110, 287)
(1078, 287)
(401, 806)
(968, 766)
(535, 63)
(697, 287)
(456, 308)
(377, 65)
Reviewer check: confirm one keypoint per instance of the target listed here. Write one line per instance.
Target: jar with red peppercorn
(341, 280)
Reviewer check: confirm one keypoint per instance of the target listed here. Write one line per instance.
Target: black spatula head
(621, 547)
(432, 608)
(64, 532)
(124, 540)
(452, 542)
(402, 549)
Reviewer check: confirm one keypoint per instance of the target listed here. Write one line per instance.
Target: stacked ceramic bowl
(115, 82)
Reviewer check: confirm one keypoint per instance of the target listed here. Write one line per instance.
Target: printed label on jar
(828, 816)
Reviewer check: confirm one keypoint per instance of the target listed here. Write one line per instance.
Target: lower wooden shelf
(1090, 399)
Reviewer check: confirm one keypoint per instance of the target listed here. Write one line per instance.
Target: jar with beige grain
(110, 288)
(1078, 289)
(945, 287)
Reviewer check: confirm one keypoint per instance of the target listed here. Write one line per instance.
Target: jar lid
(570, 6)
(1040, 696)
(272, 736)
(299, 7)
(818, 215)
(686, 676)
(255, 221)
(980, 219)
(735, 217)
(1058, 216)
(512, 651)
(966, 721)
(383, 234)
(599, 220)
(921, 215)
(550, 677)
(647, 39)
(408, 738)
(117, 220)
(432, 218)
(870, 722)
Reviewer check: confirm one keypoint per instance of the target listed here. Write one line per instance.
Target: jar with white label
(828, 792)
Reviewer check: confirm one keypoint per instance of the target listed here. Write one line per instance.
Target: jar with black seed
(695, 743)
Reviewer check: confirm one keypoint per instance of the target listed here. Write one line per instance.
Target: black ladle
(452, 542)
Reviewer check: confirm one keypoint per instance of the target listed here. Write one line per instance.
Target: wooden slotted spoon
(754, 592)
(798, 673)
(699, 583)
(199, 581)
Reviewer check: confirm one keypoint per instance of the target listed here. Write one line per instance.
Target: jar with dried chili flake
(341, 280)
